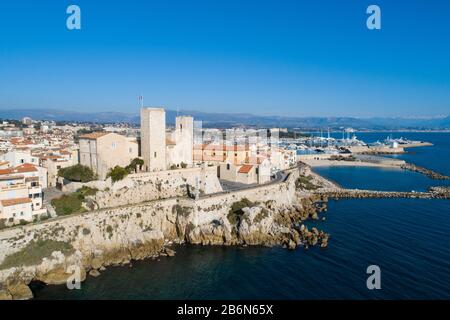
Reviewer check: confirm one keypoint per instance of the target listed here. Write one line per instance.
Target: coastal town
(94, 195)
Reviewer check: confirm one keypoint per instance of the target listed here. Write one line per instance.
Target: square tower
(153, 138)
(184, 137)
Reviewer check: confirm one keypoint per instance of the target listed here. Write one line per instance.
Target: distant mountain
(224, 120)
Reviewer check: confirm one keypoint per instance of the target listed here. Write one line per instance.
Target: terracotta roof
(245, 168)
(13, 202)
(94, 135)
(26, 167)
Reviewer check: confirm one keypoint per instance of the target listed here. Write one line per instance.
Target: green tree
(134, 165)
(78, 173)
(117, 173)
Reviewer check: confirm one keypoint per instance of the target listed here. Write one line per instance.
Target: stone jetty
(340, 193)
(425, 171)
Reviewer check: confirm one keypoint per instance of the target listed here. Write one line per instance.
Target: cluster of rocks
(425, 171)
(313, 237)
(263, 224)
(15, 291)
(338, 193)
(440, 192)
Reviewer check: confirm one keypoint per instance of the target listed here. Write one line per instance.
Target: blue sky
(297, 58)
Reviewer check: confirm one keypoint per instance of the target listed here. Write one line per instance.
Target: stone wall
(149, 186)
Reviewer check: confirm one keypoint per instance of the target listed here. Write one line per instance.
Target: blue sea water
(407, 238)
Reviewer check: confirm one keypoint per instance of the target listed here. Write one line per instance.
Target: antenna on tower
(141, 99)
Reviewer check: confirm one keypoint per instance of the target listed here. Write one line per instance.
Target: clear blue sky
(304, 58)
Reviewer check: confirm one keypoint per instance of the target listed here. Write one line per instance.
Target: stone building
(180, 143)
(102, 151)
(249, 173)
(153, 138)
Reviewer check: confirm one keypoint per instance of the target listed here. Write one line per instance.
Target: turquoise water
(407, 238)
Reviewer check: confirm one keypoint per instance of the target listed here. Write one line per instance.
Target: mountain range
(225, 120)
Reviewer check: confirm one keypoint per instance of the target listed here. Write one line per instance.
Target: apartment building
(21, 193)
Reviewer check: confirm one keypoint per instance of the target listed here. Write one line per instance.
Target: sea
(408, 239)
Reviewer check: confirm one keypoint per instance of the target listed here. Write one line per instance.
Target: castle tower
(184, 137)
(153, 138)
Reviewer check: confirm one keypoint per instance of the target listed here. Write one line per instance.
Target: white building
(17, 157)
(180, 143)
(246, 173)
(21, 196)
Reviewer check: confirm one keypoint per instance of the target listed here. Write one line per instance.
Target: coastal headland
(267, 215)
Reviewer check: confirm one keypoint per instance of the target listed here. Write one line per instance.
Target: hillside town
(42, 162)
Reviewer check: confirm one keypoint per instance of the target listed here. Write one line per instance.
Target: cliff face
(49, 251)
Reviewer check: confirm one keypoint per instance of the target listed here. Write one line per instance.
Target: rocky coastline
(270, 216)
(96, 240)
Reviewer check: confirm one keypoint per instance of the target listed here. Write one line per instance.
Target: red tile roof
(245, 168)
(26, 167)
(14, 202)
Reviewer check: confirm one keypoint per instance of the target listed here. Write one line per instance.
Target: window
(228, 166)
(58, 167)
(155, 154)
(257, 170)
(130, 150)
(22, 160)
(21, 213)
(114, 145)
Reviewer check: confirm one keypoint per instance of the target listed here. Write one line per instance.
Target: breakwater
(340, 193)
(429, 173)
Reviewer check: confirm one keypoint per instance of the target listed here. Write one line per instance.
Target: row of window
(16, 214)
(35, 195)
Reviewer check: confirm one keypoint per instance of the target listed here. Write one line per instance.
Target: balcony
(14, 187)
